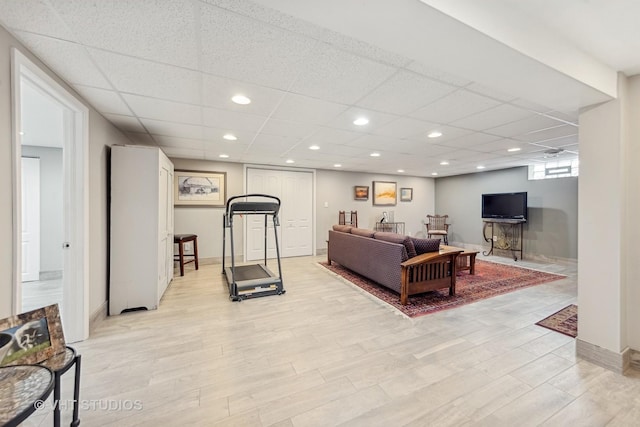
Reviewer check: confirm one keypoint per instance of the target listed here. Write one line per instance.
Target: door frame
(76, 203)
(245, 174)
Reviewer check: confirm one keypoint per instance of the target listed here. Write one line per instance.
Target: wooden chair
(353, 218)
(437, 226)
(180, 240)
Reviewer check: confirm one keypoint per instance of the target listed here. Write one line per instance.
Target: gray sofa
(392, 260)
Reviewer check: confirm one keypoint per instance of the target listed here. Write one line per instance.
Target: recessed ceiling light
(361, 121)
(314, 147)
(434, 173)
(434, 134)
(480, 167)
(400, 170)
(444, 163)
(241, 99)
(290, 161)
(337, 165)
(375, 154)
(230, 137)
(224, 156)
(21, 133)
(514, 149)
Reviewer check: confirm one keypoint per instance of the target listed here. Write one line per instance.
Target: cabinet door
(164, 232)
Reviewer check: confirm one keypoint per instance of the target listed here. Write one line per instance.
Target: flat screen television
(505, 206)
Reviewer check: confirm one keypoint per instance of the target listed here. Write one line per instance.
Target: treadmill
(252, 280)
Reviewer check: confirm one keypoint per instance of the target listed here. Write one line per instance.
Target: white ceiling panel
(489, 92)
(455, 106)
(141, 77)
(168, 141)
(338, 76)
(332, 135)
(469, 140)
(105, 101)
(245, 50)
(177, 130)
(544, 135)
(494, 117)
(159, 109)
(217, 135)
(69, 59)
(125, 123)
(449, 133)
(405, 127)
(405, 92)
(33, 16)
(376, 120)
(161, 32)
(288, 128)
(308, 110)
(526, 125)
(183, 153)
(234, 121)
(140, 138)
(218, 91)
(435, 73)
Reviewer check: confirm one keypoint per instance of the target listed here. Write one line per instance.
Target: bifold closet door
(295, 190)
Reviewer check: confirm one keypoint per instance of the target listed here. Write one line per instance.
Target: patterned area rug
(491, 279)
(564, 321)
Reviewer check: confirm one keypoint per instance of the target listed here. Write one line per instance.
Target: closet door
(295, 234)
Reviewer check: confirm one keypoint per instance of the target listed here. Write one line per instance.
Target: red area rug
(564, 321)
(491, 279)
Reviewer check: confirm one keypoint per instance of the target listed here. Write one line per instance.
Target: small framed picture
(199, 188)
(31, 337)
(406, 194)
(361, 192)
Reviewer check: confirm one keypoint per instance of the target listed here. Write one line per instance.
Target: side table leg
(56, 400)
(76, 393)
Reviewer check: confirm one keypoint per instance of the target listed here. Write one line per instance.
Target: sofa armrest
(429, 271)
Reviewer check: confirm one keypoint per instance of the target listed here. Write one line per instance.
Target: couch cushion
(362, 232)
(397, 238)
(425, 245)
(342, 228)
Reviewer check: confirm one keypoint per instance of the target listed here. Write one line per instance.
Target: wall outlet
(495, 238)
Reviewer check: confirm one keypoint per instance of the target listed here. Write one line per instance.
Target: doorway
(50, 128)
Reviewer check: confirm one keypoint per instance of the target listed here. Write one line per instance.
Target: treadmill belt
(249, 272)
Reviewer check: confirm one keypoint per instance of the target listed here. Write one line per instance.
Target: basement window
(555, 169)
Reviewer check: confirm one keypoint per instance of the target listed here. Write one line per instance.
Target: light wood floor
(327, 354)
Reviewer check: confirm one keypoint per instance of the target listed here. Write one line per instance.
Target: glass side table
(21, 386)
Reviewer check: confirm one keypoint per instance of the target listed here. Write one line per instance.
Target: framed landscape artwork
(406, 194)
(361, 192)
(31, 337)
(384, 193)
(200, 188)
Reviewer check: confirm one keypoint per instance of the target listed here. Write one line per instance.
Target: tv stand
(508, 238)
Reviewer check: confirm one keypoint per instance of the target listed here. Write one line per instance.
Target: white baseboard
(97, 317)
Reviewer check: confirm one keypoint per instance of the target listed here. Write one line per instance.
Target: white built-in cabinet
(141, 252)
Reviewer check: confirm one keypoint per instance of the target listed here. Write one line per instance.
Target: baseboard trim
(97, 317)
(616, 362)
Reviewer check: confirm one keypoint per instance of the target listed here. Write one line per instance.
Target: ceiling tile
(376, 120)
(136, 76)
(288, 128)
(233, 121)
(332, 135)
(125, 123)
(246, 50)
(449, 133)
(437, 74)
(67, 59)
(169, 141)
(159, 109)
(34, 16)
(546, 135)
(215, 135)
(405, 92)
(178, 130)
(141, 138)
(490, 93)
(469, 140)
(105, 101)
(497, 116)
(218, 91)
(405, 127)
(526, 125)
(455, 106)
(339, 76)
(183, 153)
(156, 30)
(360, 48)
(308, 110)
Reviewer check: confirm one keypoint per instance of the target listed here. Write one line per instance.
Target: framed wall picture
(200, 188)
(361, 192)
(406, 194)
(384, 193)
(31, 337)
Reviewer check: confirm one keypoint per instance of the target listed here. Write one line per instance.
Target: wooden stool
(467, 261)
(181, 239)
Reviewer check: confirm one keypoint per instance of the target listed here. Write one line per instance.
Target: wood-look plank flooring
(325, 353)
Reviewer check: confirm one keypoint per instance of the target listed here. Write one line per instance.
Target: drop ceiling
(164, 72)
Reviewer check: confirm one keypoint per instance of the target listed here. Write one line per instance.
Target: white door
(295, 237)
(30, 219)
(296, 215)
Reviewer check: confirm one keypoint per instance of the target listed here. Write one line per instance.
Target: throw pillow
(425, 245)
(397, 238)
